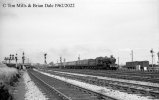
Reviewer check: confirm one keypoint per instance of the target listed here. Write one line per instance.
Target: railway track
(56, 93)
(129, 75)
(121, 86)
(66, 91)
(122, 72)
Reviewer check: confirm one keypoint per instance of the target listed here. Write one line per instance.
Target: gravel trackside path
(32, 91)
(19, 92)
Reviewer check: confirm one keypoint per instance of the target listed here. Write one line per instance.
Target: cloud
(91, 29)
(84, 50)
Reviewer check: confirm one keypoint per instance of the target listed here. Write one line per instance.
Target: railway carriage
(92, 63)
(71, 64)
(83, 63)
(107, 63)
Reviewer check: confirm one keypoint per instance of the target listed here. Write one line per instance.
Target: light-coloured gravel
(104, 90)
(32, 91)
(115, 79)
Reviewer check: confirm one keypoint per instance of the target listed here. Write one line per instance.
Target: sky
(91, 29)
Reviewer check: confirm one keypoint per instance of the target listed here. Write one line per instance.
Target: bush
(4, 93)
(8, 78)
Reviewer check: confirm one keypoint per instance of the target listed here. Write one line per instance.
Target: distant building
(138, 65)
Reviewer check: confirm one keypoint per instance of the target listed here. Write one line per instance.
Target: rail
(64, 97)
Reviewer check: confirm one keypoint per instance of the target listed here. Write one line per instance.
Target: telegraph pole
(61, 61)
(23, 58)
(158, 58)
(118, 61)
(78, 57)
(132, 55)
(64, 60)
(151, 51)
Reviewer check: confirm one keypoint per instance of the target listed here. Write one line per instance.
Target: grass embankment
(8, 78)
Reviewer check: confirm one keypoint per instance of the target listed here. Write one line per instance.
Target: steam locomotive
(107, 63)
